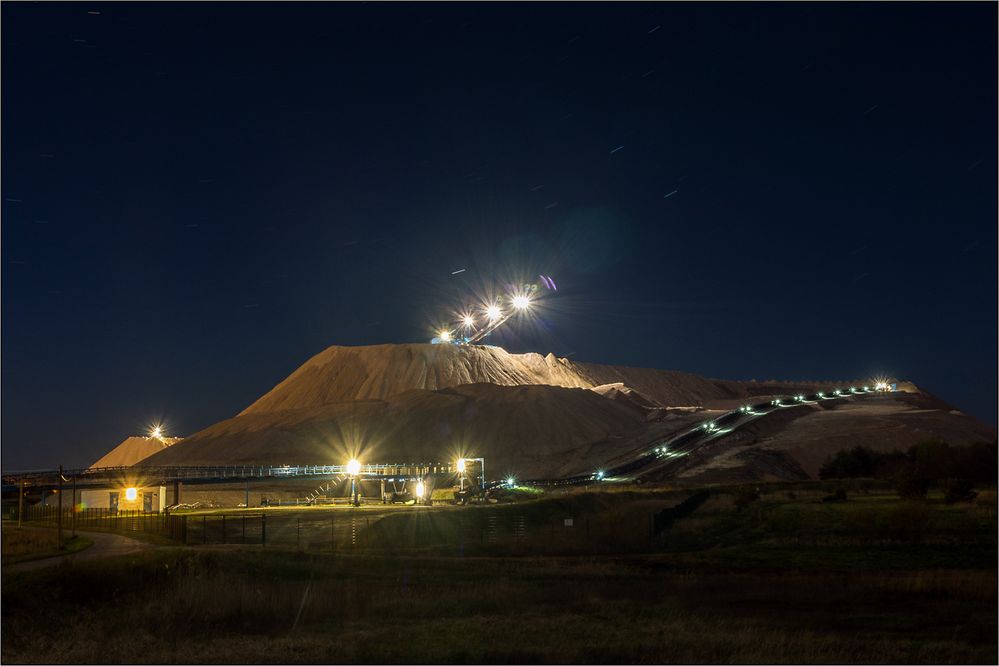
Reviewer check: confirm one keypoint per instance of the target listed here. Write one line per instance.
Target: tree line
(932, 462)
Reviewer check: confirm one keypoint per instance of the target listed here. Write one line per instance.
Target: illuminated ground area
(787, 578)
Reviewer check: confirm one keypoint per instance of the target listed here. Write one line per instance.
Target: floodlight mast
(519, 301)
(493, 325)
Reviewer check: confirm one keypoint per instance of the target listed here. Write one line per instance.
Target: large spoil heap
(530, 415)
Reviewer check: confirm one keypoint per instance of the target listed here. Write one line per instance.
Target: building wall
(102, 499)
(223, 495)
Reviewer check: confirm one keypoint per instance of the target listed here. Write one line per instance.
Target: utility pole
(59, 515)
(74, 506)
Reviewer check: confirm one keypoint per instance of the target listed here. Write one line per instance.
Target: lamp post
(461, 472)
(354, 468)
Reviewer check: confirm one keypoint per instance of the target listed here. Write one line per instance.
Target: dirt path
(105, 545)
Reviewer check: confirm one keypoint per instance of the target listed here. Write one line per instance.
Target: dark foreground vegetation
(23, 545)
(768, 574)
(954, 470)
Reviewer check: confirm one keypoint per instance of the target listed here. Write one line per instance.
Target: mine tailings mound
(340, 374)
(535, 416)
(545, 431)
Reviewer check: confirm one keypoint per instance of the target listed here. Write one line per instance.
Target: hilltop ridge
(340, 373)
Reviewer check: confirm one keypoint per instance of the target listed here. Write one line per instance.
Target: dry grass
(241, 607)
(21, 545)
(870, 580)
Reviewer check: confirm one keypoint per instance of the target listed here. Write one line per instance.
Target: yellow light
(131, 494)
(493, 312)
(420, 489)
(156, 432)
(354, 467)
(461, 465)
(521, 302)
(445, 335)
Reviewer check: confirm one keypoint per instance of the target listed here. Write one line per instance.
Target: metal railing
(162, 475)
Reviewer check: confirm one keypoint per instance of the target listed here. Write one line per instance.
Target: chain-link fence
(450, 531)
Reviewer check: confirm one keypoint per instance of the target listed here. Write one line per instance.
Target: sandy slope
(794, 443)
(379, 371)
(526, 430)
(541, 416)
(133, 450)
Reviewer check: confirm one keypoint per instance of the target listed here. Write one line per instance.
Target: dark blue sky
(198, 197)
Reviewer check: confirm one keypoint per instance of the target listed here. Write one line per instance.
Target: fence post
(332, 534)
(243, 538)
(263, 529)
(223, 528)
(299, 534)
(204, 528)
(183, 530)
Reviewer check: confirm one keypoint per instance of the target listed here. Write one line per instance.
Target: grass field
(22, 545)
(782, 580)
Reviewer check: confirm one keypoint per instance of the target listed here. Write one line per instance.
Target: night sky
(199, 197)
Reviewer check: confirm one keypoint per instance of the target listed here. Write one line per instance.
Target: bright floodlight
(521, 302)
(461, 465)
(493, 312)
(468, 321)
(420, 489)
(510, 481)
(131, 494)
(445, 335)
(354, 467)
(156, 432)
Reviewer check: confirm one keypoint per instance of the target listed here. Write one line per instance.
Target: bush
(861, 462)
(958, 490)
(932, 459)
(850, 463)
(838, 496)
(745, 495)
(910, 484)
(909, 520)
